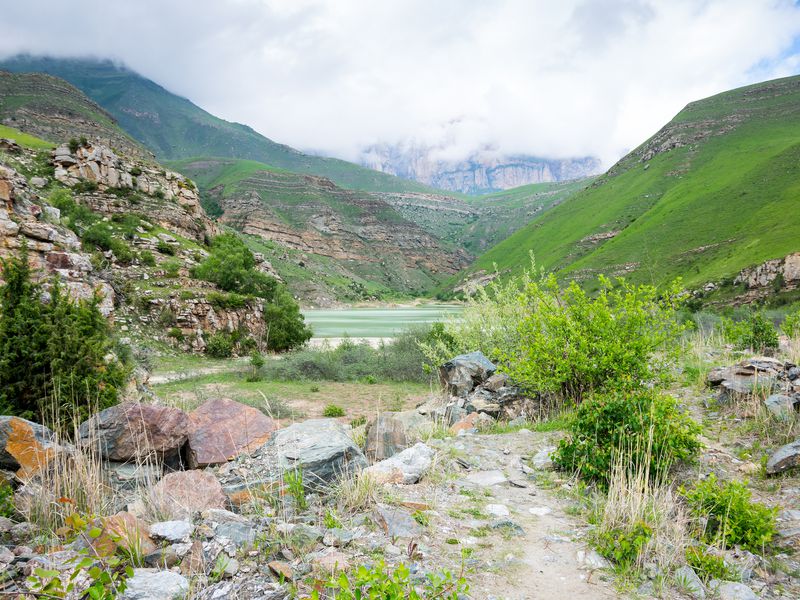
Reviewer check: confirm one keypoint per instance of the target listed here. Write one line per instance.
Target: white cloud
(547, 77)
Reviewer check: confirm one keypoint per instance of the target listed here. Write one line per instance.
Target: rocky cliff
(480, 172)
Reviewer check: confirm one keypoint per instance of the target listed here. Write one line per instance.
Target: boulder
(784, 458)
(183, 493)
(152, 584)
(25, 446)
(221, 429)
(780, 406)
(320, 448)
(173, 532)
(396, 522)
(731, 590)
(134, 431)
(406, 467)
(461, 374)
(689, 582)
(386, 436)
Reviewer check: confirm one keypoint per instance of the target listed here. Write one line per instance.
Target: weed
(332, 410)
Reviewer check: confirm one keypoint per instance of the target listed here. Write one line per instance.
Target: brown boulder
(133, 431)
(386, 436)
(25, 446)
(181, 494)
(221, 429)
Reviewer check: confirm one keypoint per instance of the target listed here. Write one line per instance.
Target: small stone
(163, 558)
(151, 584)
(498, 510)
(183, 493)
(780, 406)
(784, 458)
(305, 536)
(331, 562)
(540, 511)
(172, 531)
(396, 522)
(508, 527)
(542, 460)
(730, 590)
(406, 467)
(194, 561)
(281, 569)
(591, 560)
(487, 478)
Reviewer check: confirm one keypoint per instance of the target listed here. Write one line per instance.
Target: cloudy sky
(552, 78)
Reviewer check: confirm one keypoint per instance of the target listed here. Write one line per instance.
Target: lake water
(384, 322)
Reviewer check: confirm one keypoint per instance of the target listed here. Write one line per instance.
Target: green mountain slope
(327, 242)
(714, 191)
(174, 128)
(50, 108)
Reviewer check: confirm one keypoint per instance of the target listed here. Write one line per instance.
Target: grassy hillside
(175, 128)
(327, 242)
(52, 109)
(24, 139)
(714, 191)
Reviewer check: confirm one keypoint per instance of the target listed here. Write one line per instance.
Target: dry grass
(634, 498)
(353, 494)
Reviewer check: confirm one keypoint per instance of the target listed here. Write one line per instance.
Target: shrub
(332, 410)
(791, 325)
(73, 145)
(376, 581)
(231, 266)
(730, 516)
(623, 546)
(564, 341)
(220, 345)
(55, 352)
(172, 268)
(709, 566)
(147, 258)
(165, 248)
(755, 333)
(226, 301)
(85, 187)
(286, 327)
(645, 423)
(136, 171)
(7, 509)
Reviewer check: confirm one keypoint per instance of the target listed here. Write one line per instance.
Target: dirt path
(548, 558)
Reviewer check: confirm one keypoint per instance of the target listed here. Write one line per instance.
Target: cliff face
(480, 173)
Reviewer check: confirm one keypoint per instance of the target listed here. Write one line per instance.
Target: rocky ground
(207, 504)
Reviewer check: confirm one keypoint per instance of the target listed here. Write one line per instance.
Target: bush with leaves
(54, 351)
(755, 333)
(791, 325)
(220, 345)
(286, 327)
(728, 514)
(565, 341)
(376, 581)
(646, 424)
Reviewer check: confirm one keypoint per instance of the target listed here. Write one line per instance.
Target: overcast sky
(545, 77)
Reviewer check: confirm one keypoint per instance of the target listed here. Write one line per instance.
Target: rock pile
(758, 375)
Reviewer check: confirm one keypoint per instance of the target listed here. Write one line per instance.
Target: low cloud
(553, 78)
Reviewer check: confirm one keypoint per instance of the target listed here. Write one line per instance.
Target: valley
(232, 369)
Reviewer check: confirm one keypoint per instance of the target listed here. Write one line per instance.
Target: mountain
(174, 128)
(480, 173)
(715, 191)
(327, 242)
(50, 108)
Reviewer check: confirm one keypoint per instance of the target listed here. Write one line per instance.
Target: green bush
(172, 268)
(646, 424)
(375, 581)
(220, 345)
(400, 360)
(147, 258)
(755, 333)
(55, 352)
(226, 300)
(791, 325)
(624, 546)
(730, 516)
(709, 566)
(73, 145)
(565, 341)
(231, 266)
(7, 509)
(332, 410)
(286, 327)
(165, 248)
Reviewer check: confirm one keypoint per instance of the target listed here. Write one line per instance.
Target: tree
(286, 327)
(56, 354)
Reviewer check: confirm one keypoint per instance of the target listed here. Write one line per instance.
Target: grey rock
(172, 531)
(5, 525)
(338, 537)
(784, 458)
(162, 558)
(251, 588)
(407, 467)
(508, 527)
(305, 536)
(591, 560)
(730, 590)
(780, 406)
(151, 584)
(542, 460)
(461, 374)
(396, 522)
(38, 182)
(487, 478)
(241, 534)
(689, 582)
(321, 448)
